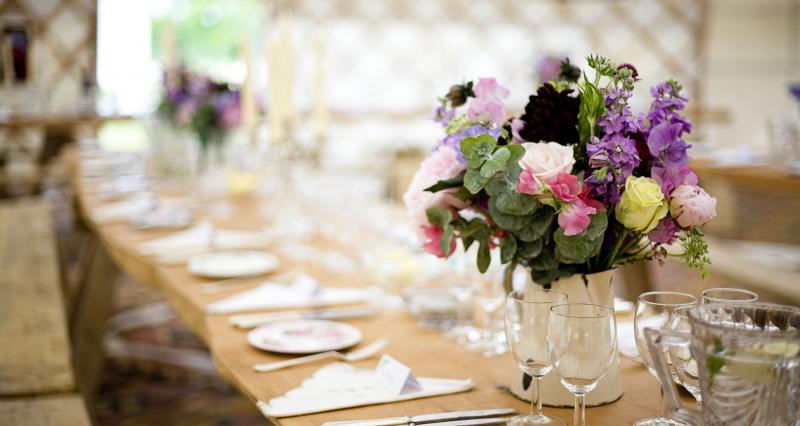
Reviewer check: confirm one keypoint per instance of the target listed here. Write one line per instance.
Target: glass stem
(536, 396)
(661, 403)
(579, 418)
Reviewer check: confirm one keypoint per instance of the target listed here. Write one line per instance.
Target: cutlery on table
(229, 283)
(356, 355)
(451, 418)
(254, 320)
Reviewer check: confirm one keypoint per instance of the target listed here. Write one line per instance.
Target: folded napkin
(202, 238)
(340, 385)
(626, 336)
(304, 291)
(121, 211)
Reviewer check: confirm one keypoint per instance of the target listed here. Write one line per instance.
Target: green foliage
(508, 248)
(695, 251)
(506, 221)
(474, 181)
(580, 248)
(445, 241)
(592, 107)
(530, 249)
(538, 226)
(496, 162)
(478, 149)
(453, 182)
(516, 203)
(439, 216)
(602, 65)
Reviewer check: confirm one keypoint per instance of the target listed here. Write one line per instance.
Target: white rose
(547, 160)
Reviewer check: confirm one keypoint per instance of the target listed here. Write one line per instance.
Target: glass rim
(753, 295)
(535, 302)
(695, 316)
(663, 292)
(607, 309)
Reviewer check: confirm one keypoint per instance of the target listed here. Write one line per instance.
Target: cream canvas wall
(753, 50)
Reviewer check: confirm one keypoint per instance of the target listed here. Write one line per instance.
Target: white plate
(304, 336)
(232, 264)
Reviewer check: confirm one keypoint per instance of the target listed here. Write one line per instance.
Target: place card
(397, 377)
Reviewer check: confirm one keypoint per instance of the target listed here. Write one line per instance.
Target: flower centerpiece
(575, 186)
(196, 102)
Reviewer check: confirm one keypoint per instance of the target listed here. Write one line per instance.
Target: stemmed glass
(582, 342)
(681, 357)
(489, 296)
(727, 295)
(655, 309)
(527, 314)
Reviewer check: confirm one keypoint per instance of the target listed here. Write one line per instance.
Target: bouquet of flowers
(576, 184)
(207, 107)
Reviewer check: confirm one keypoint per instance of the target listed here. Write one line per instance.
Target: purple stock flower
(454, 140)
(613, 159)
(665, 144)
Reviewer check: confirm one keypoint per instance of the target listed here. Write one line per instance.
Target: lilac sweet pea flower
(671, 178)
(665, 143)
(665, 232)
(488, 103)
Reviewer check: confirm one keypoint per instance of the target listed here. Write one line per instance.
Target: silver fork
(356, 355)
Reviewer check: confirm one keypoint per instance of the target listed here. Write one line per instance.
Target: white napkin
(304, 291)
(121, 211)
(202, 238)
(340, 385)
(626, 337)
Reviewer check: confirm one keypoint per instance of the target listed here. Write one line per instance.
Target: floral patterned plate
(304, 336)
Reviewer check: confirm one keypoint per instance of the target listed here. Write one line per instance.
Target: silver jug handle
(657, 340)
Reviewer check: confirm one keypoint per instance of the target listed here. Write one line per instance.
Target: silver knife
(471, 422)
(432, 418)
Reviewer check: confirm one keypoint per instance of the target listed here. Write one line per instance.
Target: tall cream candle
(319, 112)
(247, 102)
(169, 49)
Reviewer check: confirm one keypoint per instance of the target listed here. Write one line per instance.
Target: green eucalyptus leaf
(540, 223)
(544, 277)
(445, 241)
(478, 149)
(597, 226)
(453, 182)
(497, 184)
(517, 152)
(439, 216)
(529, 249)
(508, 248)
(513, 202)
(577, 248)
(507, 221)
(484, 256)
(473, 181)
(546, 259)
(496, 162)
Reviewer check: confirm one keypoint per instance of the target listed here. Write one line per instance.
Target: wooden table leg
(88, 321)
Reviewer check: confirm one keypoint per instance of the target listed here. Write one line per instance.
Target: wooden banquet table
(425, 351)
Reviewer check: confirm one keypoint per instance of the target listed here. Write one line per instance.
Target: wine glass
(582, 342)
(488, 296)
(655, 309)
(681, 357)
(727, 295)
(527, 314)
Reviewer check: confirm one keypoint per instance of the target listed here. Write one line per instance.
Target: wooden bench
(37, 383)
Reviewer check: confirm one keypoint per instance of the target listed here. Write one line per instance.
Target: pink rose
(574, 218)
(488, 102)
(441, 164)
(566, 187)
(544, 161)
(432, 242)
(691, 206)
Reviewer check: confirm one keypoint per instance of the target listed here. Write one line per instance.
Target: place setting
(366, 213)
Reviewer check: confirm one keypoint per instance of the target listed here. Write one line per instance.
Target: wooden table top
(425, 351)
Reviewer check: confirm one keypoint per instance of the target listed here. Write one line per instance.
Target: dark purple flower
(551, 116)
(794, 90)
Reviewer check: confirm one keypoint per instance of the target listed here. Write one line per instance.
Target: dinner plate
(232, 264)
(304, 336)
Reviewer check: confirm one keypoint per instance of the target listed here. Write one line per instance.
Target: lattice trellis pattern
(395, 56)
(62, 39)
